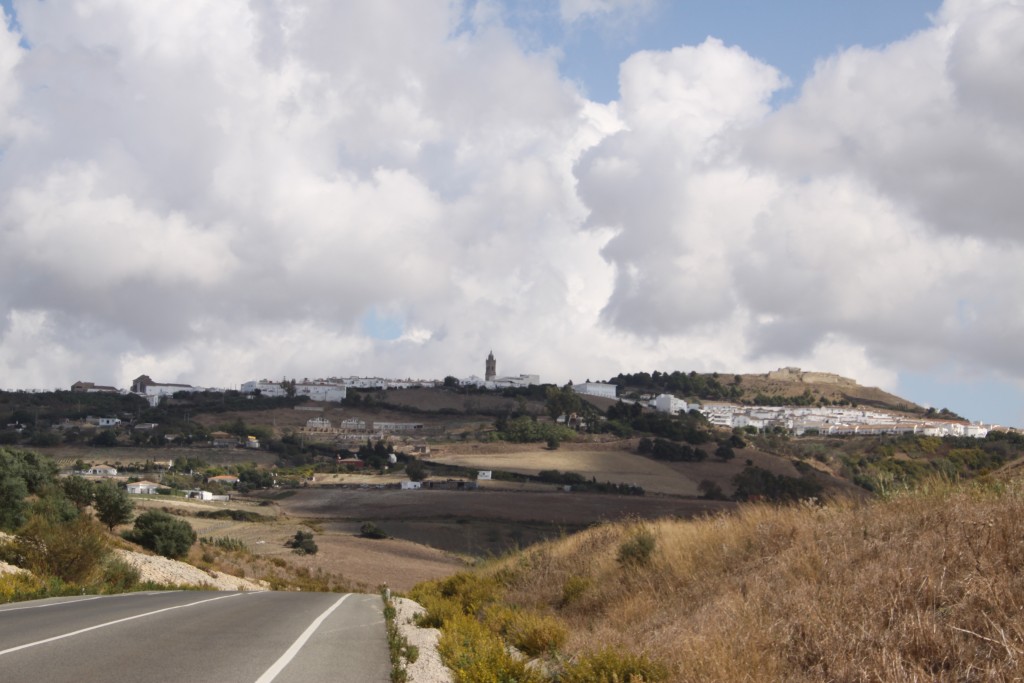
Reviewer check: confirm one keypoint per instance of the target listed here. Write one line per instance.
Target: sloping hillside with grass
(923, 585)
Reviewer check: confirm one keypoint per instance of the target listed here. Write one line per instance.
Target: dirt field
(399, 563)
(616, 466)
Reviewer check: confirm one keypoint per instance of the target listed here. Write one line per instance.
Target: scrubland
(917, 586)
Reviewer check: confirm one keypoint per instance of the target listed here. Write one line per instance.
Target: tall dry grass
(922, 586)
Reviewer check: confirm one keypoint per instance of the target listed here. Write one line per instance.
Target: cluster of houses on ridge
(827, 420)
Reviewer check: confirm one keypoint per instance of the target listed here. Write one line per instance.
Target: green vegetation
(162, 533)
(237, 515)
(525, 429)
(371, 530)
(112, 504)
(302, 543)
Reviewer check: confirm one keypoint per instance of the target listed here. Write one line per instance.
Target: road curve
(183, 635)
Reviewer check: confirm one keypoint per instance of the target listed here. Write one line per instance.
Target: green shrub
(162, 533)
(573, 590)
(371, 530)
(71, 551)
(226, 543)
(302, 543)
(475, 654)
(609, 666)
(119, 576)
(531, 633)
(636, 551)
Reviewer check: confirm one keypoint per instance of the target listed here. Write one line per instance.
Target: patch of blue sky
(382, 326)
(987, 400)
(791, 35)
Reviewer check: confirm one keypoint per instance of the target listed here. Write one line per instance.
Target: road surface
(204, 636)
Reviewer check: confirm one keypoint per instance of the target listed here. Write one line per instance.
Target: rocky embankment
(163, 570)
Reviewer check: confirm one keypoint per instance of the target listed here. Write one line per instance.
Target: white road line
(111, 623)
(74, 600)
(289, 654)
(53, 604)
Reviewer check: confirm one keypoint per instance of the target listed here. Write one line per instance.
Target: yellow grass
(926, 586)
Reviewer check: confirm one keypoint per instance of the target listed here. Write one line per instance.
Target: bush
(609, 666)
(71, 551)
(302, 543)
(371, 530)
(636, 551)
(119, 576)
(162, 533)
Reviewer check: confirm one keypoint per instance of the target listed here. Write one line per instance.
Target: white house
(601, 389)
(154, 391)
(102, 471)
(321, 391)
(103, 421)
(268, 389)
(143, 487)
(483, 475)
(411, 485)
(667, 403)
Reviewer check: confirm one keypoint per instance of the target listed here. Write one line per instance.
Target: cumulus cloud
(212, 191)
(878, 208)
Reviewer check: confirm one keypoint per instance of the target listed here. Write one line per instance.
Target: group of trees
(706, 387)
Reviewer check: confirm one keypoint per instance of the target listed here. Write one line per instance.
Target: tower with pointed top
(490, 367)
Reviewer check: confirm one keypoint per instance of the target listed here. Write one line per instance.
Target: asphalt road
(208, 636)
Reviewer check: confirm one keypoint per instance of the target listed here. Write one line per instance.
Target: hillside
(917, 586)
(785, 386)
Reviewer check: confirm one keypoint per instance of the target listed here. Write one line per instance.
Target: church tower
(490, 367)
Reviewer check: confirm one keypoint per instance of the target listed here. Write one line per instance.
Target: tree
(711, 490)
(724, 452)
(79, 490)
(564, 401)
(112, 504)
(12, 502)
(107, 438)
(451, 382)
(415, 470)
(162, 533)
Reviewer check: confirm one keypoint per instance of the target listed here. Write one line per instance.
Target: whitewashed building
(667, 403)
(601, 389)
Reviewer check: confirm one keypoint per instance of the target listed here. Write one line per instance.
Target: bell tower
(490, 367)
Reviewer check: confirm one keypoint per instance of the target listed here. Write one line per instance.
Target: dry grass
(925, 586)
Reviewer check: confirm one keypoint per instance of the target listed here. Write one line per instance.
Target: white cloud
(212, 191)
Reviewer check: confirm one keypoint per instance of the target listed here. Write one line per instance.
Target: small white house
(102, 471)
(411, 485)
(143, 488)
(483, 475)
(199, 494)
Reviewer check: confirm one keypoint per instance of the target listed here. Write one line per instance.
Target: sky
(213, 191)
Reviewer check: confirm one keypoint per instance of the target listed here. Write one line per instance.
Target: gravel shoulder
(428, 667)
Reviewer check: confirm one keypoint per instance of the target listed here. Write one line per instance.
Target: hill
(785, 386)
(918, 586)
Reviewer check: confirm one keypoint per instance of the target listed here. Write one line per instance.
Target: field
(364, 562)
(615, 462)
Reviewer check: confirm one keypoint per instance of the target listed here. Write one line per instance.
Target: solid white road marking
(51, 604)
(111, 623)
(289, 654)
